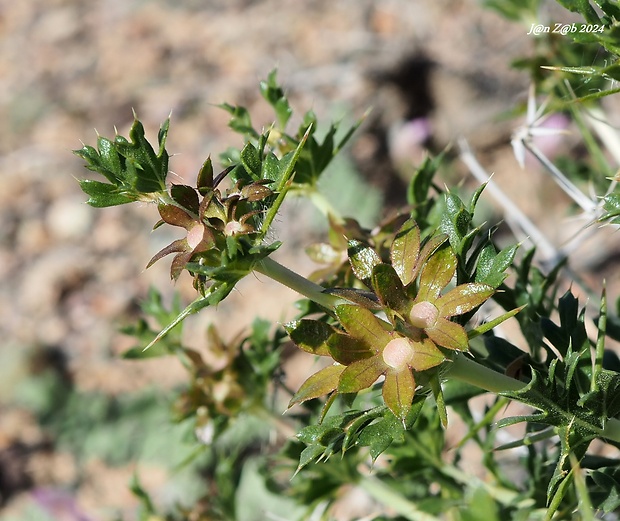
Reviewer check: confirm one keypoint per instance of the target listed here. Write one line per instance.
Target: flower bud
(398, 353)
(423, 314)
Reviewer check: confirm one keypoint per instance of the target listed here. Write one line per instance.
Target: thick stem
(470, 372)
(297, 283)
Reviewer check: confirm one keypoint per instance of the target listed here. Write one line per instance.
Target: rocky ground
(70, 274)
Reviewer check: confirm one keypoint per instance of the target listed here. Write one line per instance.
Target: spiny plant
(397, 312)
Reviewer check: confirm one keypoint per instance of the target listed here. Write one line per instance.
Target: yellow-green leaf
(405, 251)
(426, 355)
(436, 274)
(362, 325)
(361, 374)
(463, 298)
(398, 392)
(319, 384)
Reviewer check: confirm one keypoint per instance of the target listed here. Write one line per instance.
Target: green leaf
(436, 275)
(133, 168)
(405, 251)
(361, 375)
(363, 259)
(310, 335)
(151, 169)
(583, 7)
(101, 195)
(240, 122)
(422, 181)
(273, 93)
(455, 221)
(362, 325)
(491, 266)
(463, 298)
(389, 288)
(606, 493)
(381, 434)
(398, 392)
(271, 168)
(319, 384)
(251, 161)
(611, 205)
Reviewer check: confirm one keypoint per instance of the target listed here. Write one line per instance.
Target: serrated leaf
(133, 168)
(251, 161)
(455, 221)
(102, 195)
(151, 169)
(380, 435)
(273, 93)
(240, 120)
(491, 266)
(309, 454)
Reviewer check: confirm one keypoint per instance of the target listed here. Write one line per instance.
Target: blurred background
(76, 421)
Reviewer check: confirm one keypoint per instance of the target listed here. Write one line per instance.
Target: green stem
(297, 283)
(385, 494)
(470, 372)
(461, 368)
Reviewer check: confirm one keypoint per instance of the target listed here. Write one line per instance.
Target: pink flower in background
(59, 504)
(407, 141)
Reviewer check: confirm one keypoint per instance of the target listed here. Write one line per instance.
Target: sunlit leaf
(436, 274)
(319, 384)
(463, 298)
(405, 251)
(398, 392)
(448, 334)
(362, 325)
(361, 374)
(310, 335)
(426, 355)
